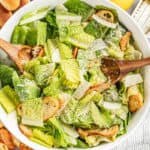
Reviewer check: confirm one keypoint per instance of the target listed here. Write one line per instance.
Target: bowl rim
(102, 147)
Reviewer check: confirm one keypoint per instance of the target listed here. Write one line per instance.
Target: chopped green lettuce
(70, 73)
(82, 116)
(6, 74)
(65, 51)
(38, 141)
(6, 102)
(64, 19)
(77, 37)
(81, 90)
(43, 72)
(132, 54)
(133, 90)
(31, 38)
(25, 88)
(52, 51)
(34, 33)
(81, 144)
(80, 8)
(19, 35)
(43, 137)
(33, 16)
(111, 94)
(77, 114)
(50, 47)
(41, 32)
(92, 96)
(96, 75)
(10, 92)
(101, 118)
(53, 88)
(67, 115)
(115, 53)
(52, 29)
(29, 66)
(60, 137)
(32, 112)
(96, 29)
(132, 79)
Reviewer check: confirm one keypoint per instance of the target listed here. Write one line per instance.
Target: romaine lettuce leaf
(19, 35)
(42, 73)
(53, 88)
(70, 73)
(52, 29)
(6, 102)
(77, 37)
(77, 114)
(115, 53)
(67, 115)
(60, 137)
(34, 16)
(96, 29)
(47, 139)
(41, 32)
(132, 79)
(92, 96)
(6, 74)
(31, 38)
(81, 144)
(111, 94)
(101, 118)
(132, 54)
(29, 66)
(82, 116)
(96, 75)
(11, 94)
(52, 51)
(38, 141)
(25, 88)
(80, 8)
(64, 19)
(65, 51)
(32, 112)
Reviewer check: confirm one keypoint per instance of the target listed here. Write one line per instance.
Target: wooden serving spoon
(20, 54)
(115, 70)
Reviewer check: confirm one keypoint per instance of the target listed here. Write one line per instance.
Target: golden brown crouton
(124, 41)
(135, 102)
(108, 132)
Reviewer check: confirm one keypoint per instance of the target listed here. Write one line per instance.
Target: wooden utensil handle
(127, 66)
(8, 48)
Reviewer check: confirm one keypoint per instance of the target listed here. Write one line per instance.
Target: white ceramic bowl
(10, 120)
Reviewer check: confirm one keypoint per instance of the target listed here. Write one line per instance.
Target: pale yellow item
(125, 4)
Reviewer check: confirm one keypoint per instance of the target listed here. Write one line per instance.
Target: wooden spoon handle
(11, 50)
(127, 66)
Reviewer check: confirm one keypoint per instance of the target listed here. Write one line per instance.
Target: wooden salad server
(115, 70)
(20, 54)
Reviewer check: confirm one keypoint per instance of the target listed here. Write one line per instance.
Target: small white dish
(10, 121)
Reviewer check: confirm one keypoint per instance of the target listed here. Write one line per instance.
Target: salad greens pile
(54, 98)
